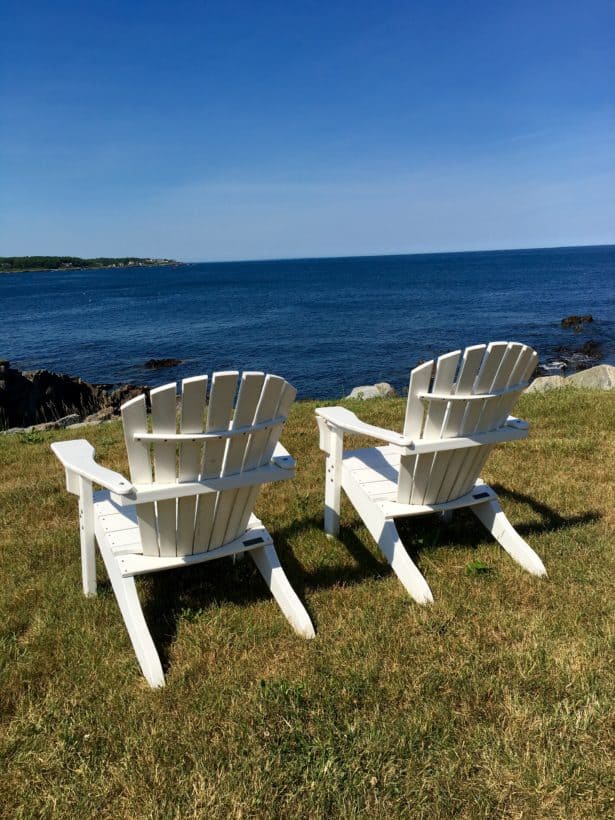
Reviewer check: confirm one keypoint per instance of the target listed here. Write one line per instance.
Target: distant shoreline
(44, 264)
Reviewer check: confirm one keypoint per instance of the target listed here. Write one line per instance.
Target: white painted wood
(346, 420)
(157, 492)
(333, 482)
(458, 422)
(164, 421)
(86, 532)
(223, 387)
(78, 457)
(258, 451)
(385, 534)
(403, 566)
(494, 519)
(376, 471)
(457, 410)
(427, 470)
(192, 420)
(130, 607)
(282, 458)
(524, 365)
(232, 433)
(134, 419)
(250, 389)
(268, 563)
(407, 446)
(155, 523)
(134, 564)
(494, 411)
(498, 436)
(420, 379)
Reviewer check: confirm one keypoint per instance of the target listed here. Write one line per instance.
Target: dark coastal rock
(120, 395)
(582, 357)
(156, 364)
(40, 396)
(576, 322)
(31, 399)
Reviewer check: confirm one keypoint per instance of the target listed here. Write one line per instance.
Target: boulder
(545, 383)
(372, 391)
(156, 364)
(576, 322)
(601, 377)
(105, 414)
(57, 424)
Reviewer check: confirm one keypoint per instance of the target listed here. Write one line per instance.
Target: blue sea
(324, 324)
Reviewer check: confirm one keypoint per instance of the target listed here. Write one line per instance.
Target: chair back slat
(258, 452)
(255, 413)
(420, 379)
(446, 464)
(222, 393)
(250, 390)
(446, 369)
(134, 419)
(480, 370)
(483, 416)
(194, 392)
(164, 420)
(523, 361)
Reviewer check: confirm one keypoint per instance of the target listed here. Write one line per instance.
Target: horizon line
(381, 255)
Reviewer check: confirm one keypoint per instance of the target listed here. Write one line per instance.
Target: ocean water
(327, 325)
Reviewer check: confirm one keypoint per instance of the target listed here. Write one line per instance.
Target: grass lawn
(497, 701)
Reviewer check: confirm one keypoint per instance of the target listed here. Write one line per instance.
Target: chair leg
(332, 442)
(333, 492)
(86, 534)
(130, 606)
(268, 563)
(492, 516)
(404, 567)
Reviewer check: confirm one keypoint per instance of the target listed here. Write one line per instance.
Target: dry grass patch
(494, 702)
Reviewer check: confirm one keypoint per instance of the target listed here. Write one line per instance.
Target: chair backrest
(248, 422)
(459, 394)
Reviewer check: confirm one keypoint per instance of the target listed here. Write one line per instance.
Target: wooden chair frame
(458, 409)
(191, 493)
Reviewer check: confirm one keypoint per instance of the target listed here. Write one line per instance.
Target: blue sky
(241, 130)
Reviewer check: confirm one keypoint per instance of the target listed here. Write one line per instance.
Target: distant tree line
(17, 263)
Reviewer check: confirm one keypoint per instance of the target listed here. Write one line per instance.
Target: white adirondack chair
(197, 505)
(458, 409)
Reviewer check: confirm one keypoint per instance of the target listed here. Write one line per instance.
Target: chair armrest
(282, 458)
(77, 456)
(517, 424)
(345, 420)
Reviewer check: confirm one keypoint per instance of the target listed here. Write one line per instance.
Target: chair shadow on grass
(173, 595)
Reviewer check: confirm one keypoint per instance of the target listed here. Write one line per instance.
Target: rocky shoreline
(40, 400)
